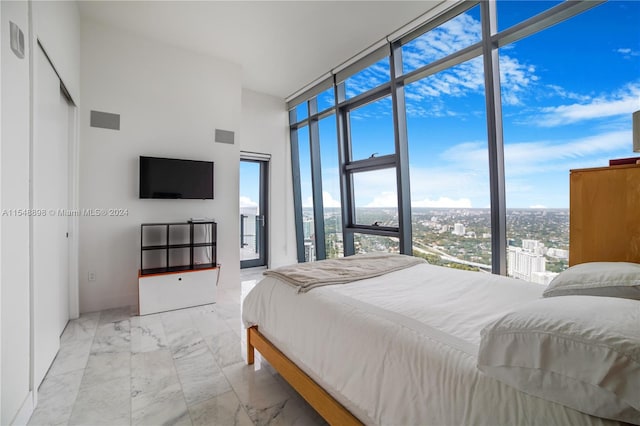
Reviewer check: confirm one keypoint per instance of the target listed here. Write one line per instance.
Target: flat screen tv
(171, 178)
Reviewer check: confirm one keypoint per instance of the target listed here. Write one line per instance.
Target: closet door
(50, 183)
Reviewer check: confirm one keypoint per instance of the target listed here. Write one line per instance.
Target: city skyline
(537, 249)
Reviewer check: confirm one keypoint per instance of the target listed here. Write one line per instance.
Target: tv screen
(172, 178)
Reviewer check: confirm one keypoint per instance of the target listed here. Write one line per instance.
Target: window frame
(487, 48)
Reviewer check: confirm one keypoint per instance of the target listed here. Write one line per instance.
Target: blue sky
(249, 184)
(567, 97)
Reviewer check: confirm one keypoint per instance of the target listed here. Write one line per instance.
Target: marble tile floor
(184, 367)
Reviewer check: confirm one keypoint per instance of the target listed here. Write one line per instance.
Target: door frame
(263, 204)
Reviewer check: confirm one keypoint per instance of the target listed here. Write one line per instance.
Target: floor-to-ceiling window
(306, 192)
(449, 167)
(305, 213)
(371, 146)
(447, 133)
(565, 106)
(331, 186)
(545, 85)
(309, 119)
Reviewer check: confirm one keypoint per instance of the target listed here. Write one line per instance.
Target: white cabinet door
(165, 292)
(50, 193)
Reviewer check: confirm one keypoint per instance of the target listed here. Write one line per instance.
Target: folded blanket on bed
(305, 276)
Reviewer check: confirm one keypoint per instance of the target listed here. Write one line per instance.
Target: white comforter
(400, 349)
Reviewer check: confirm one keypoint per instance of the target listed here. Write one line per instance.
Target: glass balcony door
(253, 213)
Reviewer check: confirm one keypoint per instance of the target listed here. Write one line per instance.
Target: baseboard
(25, 412)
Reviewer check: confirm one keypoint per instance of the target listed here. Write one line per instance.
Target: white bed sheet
(401, 349)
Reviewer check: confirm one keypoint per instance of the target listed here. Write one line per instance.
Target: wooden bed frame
(330, 409)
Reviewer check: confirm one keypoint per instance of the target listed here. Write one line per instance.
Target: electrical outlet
(92, 276)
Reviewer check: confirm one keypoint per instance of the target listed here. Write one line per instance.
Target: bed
(403, 348)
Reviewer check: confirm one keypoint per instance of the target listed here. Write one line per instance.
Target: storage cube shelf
(179, 246)
(178, 266)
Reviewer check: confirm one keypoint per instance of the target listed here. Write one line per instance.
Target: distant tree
(463, 267)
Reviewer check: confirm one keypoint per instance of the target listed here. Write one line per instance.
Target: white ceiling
(281, 45)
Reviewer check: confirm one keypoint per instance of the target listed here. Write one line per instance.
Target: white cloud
(457, 33)
(442, 202)
(368, 78)
(530, 167)
(384, 199)
(328, 200)
(555, 90)
(453, 183)
(624, 101)
(515, 78)
(465, 78)
(373, 111)
(369, 186)
(460, 178)
(537, 157)
(458, 81)
(472, 152)
(247, 202)
(627, 53)
(537, 206)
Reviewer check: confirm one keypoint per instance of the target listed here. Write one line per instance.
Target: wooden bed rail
(330, 409)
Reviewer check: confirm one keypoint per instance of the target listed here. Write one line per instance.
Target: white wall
(57, 25)
(264, 129)
(170, 102)
(15, 293)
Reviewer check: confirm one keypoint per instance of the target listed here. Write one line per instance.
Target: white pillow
(610, 279)
(579, 351)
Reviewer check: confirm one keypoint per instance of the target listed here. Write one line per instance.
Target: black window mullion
(316, 182)
(402, 152)
(297, 193)
(346, 197)
(495, 140)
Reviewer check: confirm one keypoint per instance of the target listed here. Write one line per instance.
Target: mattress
(401, 349)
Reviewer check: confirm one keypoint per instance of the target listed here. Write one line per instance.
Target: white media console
(178, 267)
(176, 290)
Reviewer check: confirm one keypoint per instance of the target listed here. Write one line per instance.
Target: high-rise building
(309, 251)
(458, 229)
(307, 227)
(523, 262)
(558, 253)
(533, 246)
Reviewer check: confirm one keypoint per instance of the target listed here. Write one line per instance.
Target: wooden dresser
(605, 214)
